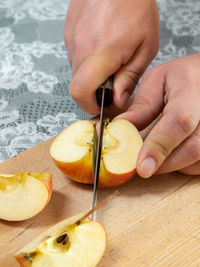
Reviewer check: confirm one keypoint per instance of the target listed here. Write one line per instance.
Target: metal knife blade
(104, 98)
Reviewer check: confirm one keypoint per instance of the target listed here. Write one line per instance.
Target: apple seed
(63, 239)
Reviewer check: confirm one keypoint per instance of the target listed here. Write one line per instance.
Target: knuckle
(91, 44)
(97, 43)
(194, 150)
(78, 40)
(142, 103)
(133, 76)
(77, 89)
(184, 122)
(74, 92)
(142, 100)
(139, 103)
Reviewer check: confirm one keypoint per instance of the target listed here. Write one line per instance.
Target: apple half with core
(66, 244)
(73, 152)
(24, 195)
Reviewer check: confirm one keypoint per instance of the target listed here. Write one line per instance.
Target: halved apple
(72, 152)
(24, 195)
(66, 244)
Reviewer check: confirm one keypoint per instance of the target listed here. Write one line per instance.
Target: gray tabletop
(35, 73)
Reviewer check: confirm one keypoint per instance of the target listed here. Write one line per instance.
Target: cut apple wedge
(66, 244)
(73, 150)
(24, 195)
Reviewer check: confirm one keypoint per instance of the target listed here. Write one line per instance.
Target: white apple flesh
(72, 152)
(23, 195)
(84, 246)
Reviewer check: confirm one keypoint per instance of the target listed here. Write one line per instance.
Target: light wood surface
(154, 222)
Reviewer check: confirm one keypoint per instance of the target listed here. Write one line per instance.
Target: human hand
(174, 142)
(106, 37)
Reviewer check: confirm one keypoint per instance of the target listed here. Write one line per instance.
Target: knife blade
(104, 95)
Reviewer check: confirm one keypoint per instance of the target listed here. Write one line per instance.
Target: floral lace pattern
(35, 73)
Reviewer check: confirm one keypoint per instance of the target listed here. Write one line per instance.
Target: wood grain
(154, 222)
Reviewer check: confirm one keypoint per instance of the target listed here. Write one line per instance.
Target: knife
(104, 96)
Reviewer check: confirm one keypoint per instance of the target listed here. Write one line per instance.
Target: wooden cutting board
(154, 222)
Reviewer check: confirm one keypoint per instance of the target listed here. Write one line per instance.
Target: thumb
(92, 72)
(148, 100)
(180, 118)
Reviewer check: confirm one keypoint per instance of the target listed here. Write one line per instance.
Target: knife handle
(108, 97)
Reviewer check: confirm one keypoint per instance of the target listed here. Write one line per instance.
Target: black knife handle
(108, 97)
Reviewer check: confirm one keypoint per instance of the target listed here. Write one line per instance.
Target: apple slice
(24, 195)
(66, 244)
(72, 151)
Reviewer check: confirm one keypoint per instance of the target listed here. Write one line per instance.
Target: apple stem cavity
(30, 256)
(101, 203)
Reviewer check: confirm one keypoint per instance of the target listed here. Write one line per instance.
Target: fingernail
(147, 167)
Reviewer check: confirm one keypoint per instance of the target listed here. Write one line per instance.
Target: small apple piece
(72, 151)
(24, 195)
(66, 244)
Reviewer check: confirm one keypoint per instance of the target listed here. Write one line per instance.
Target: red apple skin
(46, 178)
(22, 261)
(113, 180)
(109, 179)
(79, 171)
(82, 172)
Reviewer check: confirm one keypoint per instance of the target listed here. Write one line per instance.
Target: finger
(148, 101)
(93, 71)
(128, 76)
(186, 154)
(193, 169)
(180, 118)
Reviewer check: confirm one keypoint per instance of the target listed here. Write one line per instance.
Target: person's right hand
(105, 37)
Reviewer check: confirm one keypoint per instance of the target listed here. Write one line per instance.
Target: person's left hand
(174, 142)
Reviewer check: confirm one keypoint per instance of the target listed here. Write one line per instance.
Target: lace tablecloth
(35, 74)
